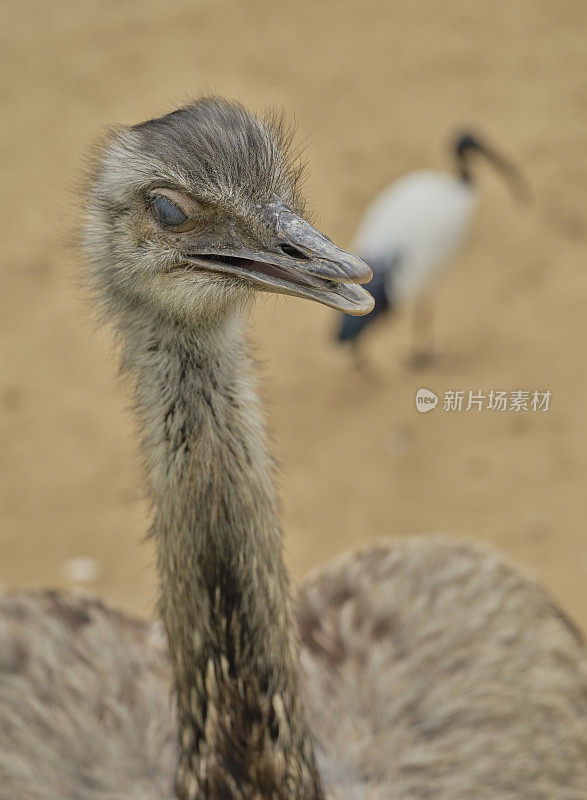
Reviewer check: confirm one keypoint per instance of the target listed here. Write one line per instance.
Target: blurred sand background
(377, 88)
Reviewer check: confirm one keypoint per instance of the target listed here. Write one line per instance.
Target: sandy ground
(376, 87)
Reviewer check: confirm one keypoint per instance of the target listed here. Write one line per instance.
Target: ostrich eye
(167, 212)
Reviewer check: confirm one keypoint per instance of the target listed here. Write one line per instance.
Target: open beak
(300, 261)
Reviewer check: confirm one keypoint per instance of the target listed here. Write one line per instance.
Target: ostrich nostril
(289, 250)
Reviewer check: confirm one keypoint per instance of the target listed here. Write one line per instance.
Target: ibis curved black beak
(514, 178)
(297, 260)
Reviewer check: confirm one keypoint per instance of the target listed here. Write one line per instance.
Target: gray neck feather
(224, 588)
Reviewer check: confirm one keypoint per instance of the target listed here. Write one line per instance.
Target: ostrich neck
(224, 588)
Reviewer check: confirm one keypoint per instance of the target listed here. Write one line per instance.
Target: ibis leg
(422, 347)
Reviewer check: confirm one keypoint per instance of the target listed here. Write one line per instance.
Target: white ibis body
(413, 229)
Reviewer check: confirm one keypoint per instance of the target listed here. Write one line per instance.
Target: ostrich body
(427, 668)
(411, 232)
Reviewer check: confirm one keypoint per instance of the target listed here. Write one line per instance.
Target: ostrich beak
(299, 261)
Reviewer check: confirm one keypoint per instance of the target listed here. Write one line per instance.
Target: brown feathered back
(86, 709)
(435, 669)
(431, 668)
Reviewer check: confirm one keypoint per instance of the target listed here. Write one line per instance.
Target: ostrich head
(192, 212)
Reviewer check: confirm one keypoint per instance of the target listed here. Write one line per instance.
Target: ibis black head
(466, 142)
(465, 145)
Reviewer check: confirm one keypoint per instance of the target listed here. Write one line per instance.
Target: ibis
(412, 231)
